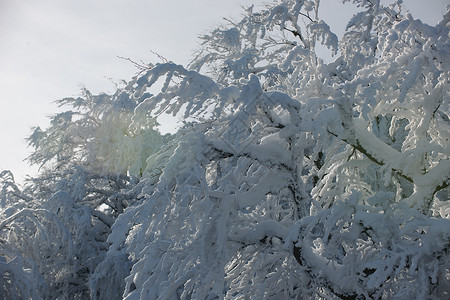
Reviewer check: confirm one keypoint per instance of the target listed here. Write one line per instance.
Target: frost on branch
(289, 177)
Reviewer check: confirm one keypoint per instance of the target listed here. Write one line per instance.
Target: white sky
(49, 48)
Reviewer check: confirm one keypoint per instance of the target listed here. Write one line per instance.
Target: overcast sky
(50, 48)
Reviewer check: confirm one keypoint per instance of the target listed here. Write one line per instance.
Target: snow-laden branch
(261, 230)
(24, 213)
(49, 231)
(434, 180)
(371, 146)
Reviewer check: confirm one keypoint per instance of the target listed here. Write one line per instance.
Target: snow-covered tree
(289, 178)
(90, 162)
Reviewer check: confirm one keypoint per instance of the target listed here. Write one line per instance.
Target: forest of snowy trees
(287, 177)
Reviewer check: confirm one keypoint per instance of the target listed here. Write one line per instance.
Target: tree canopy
(287, 178)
